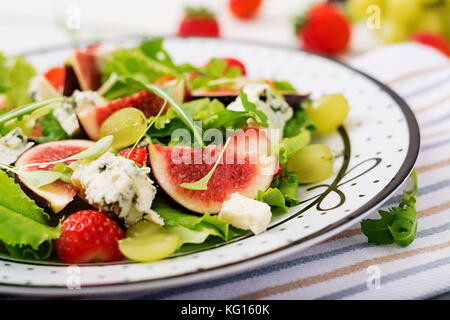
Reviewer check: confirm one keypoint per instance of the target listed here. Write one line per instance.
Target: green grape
(328, 112)
(149, 247)
(357, 9)
(431, 20)
(393, 32)
(447, 20)
(144, 228)
(312, 164)
(126, 125)
(403, 11)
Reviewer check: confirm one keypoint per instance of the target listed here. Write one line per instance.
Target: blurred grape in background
(342, 29)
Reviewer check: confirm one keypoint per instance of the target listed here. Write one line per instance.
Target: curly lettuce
(15, 76)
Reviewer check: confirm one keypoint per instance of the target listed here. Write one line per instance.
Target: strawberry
(89, 236)
(324, 29)
(244, 9)
(199, 23)
(138, 155)
(56, 77)
(231, 62)
(433, 40)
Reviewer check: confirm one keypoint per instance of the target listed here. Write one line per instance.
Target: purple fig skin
(40, 201)
(292, 99)
(71, 82)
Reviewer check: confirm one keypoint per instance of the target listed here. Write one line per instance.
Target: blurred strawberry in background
(244, 9)
(433, 40)
(324, 29)
(198, 22)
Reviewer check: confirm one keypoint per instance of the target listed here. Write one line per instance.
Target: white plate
(379, 143)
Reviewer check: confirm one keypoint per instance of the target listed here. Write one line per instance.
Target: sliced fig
(86, 68)
(57, 195)
(71, 82)
(228, 96)
(149, 103)
(240, 171)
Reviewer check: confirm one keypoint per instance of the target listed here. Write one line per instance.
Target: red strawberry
(324, 29)
(244, 9)
(138, 155)
(56, 77)
(89, 236)
(198, 23)
(231, 62)
(433, 40)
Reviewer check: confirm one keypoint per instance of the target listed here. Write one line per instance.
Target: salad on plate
(122, 154)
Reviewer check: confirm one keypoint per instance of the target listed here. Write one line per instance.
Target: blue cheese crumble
(66, 113)
(12, 145)
(274, 107)
(117, 186)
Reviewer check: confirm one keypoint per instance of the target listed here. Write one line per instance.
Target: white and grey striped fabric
(346, 266)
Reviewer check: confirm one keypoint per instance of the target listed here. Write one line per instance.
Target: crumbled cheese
(116, 185)
(66, 113)
(13, 145)
(245, 213)
(275, 108)
(40, 89)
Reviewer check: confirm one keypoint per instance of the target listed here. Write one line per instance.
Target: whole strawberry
(138, 155)
(244, 9)
(433, 40)
(89, 236)
(324, 29)
(198, 23)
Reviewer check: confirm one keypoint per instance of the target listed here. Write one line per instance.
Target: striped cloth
(346, 266)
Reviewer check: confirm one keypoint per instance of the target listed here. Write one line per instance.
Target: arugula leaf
(299, 122)
(202, 184)
(37, 178)
(186, 118)
(26, 116)
(214, 73)
(91, 153)
(398, 224)
(23, 225)
(51, 130)
(15, 76)
(259, 116)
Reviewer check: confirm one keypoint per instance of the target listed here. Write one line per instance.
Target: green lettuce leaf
(288, 147)
(15, 76)
(192, 228)
(299, 122)
(213, 74)
(23, 225)
(273, 197)
(287, 183)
